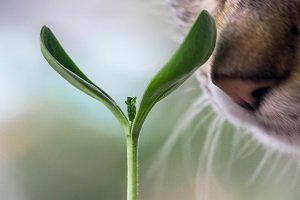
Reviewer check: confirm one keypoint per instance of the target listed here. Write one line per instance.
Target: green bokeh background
(57, 143)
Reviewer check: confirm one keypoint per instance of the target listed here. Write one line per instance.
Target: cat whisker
(206, 156)
(248, 149)
(260, 167)
(284, 171)
(270, 174)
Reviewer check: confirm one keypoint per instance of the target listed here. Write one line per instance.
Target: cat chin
(272, 139)
(277, 141)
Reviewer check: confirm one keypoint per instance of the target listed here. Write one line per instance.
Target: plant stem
(132, 167)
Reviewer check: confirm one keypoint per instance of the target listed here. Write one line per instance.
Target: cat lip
(246, 106)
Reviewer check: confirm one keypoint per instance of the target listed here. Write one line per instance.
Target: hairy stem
(132, 167)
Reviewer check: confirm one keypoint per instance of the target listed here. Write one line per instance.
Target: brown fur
(257, 40)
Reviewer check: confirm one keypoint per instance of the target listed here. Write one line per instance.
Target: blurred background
(57, 143)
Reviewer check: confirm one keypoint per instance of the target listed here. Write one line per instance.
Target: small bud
(131, 109)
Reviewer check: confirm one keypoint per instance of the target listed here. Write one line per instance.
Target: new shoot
(194, 51)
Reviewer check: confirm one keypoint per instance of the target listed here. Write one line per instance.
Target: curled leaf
(62, 63)
(192, 53)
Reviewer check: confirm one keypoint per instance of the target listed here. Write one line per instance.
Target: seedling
(192, 53)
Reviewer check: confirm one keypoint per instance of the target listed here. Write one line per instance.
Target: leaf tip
(44, 27)
(44, 30)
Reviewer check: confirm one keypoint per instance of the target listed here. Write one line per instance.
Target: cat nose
(246, 93)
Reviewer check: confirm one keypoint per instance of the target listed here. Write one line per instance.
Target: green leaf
(62, 63)
(193, 52)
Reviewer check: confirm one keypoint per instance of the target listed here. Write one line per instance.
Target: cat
(253, 76)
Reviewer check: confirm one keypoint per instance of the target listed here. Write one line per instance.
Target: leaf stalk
(132, 167)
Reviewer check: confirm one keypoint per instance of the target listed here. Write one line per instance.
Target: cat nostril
(258, 95)
(260, 92)
(247, 94)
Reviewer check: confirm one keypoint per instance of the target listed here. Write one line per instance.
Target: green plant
(192, 53)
